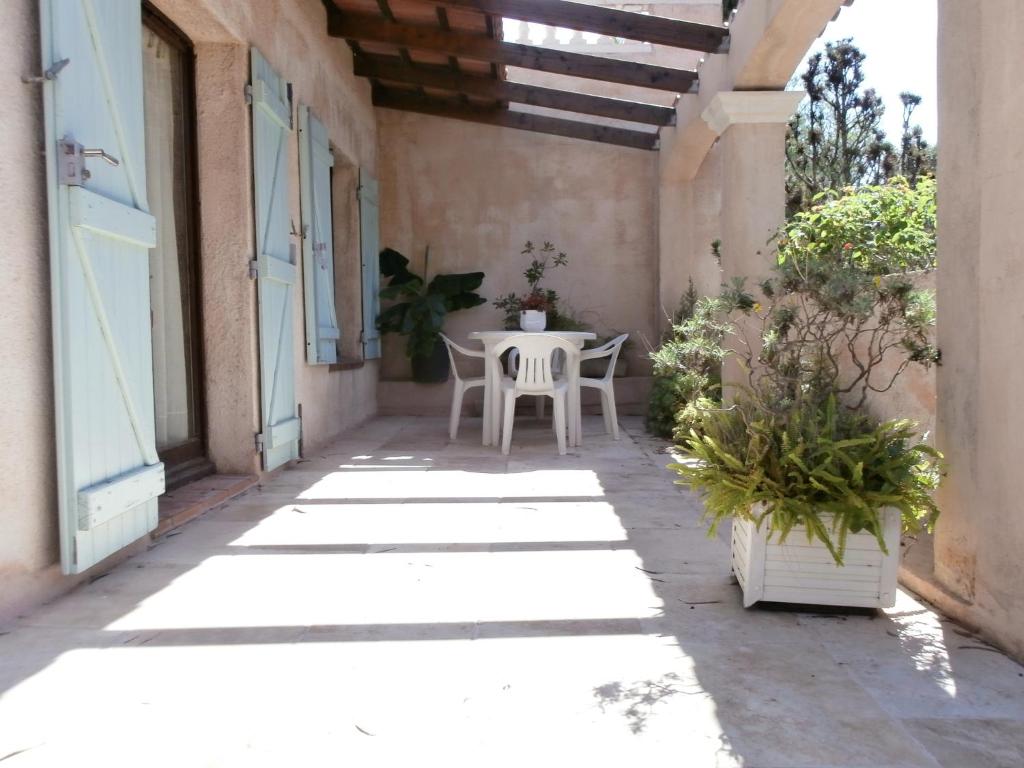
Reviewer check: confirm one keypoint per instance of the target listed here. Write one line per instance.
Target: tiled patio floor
(402, 600)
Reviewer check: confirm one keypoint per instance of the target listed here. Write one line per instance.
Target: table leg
(488, 395)
(496, 374)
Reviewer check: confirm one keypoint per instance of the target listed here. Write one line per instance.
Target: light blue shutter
(315, 163)
(369, 244)
(108, 473)
(276, 270)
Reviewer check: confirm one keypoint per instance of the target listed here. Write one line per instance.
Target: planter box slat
(822, 557)
(823, 583)
(862, 577)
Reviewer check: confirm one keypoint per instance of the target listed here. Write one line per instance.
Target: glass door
(174, 275)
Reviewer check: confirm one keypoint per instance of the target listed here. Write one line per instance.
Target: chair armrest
(463, 350)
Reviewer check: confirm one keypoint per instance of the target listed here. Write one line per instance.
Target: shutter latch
(248, 94)
(259, 442)
(254, 269)
(49, 74)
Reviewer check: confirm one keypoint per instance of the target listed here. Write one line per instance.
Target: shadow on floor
(419, 584)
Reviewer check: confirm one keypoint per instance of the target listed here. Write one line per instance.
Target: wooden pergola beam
(605, 21)
(410, 101)
(360, 28)
(392, 69)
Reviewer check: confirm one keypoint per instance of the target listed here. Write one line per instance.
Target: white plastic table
(492, 374)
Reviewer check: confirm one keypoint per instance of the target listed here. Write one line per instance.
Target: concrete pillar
(980, 422)
(751, 126)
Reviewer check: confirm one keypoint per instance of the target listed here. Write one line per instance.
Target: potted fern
(817, 490)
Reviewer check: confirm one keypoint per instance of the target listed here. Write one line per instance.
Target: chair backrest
(557, 363)
(536, 352)
(610, 350)
(452, 348)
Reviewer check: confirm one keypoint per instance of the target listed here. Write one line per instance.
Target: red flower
(848, 247)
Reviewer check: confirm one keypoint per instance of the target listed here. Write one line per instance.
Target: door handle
(101, 153)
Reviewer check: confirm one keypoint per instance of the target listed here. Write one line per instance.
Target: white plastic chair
(461, 384)
(535, 376)
(605, 384)
(557, 367)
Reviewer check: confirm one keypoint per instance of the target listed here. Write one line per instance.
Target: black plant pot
(434, 368)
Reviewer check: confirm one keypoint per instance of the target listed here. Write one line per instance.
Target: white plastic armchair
(535, 376)
(461, 384)
(606, 384)
(557, 367)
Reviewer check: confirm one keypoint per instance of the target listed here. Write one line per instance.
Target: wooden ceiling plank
(658, 30)
(410, 101)
(357, 28)
(380, 68)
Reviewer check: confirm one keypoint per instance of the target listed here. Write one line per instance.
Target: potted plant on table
(537, 309)
(817, 490)
(420, 310)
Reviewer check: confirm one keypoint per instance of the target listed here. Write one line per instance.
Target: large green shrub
(797, 446)
(420, 308)
(687, 366)
(880, 230)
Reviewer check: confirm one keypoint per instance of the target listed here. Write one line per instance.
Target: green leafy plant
(421, 307)
(687, 365)
(542, 259)
(826, 468)
(880, 230)
(798, 447)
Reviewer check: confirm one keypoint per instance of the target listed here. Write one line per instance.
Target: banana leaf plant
(421, 307)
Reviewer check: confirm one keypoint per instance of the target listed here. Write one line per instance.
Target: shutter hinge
(259, 442)
(248, 94)
(254, 269)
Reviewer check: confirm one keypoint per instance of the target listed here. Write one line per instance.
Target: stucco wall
(476, 193)
(980, 423)
(292, 36)
(28, 522)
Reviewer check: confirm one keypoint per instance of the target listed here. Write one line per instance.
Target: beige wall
(476, 193)
(980, 424)
(292, 36)
(28, 522)
(689, 223)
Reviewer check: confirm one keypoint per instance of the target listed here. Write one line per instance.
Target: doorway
(170, 124)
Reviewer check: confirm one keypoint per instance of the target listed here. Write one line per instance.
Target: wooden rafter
(605, 21)
(391, 69)
(411, 101)
(361, 28)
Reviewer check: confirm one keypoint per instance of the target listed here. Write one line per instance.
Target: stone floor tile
(971, 742)
(398, 599)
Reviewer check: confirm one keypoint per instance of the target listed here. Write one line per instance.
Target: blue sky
(898, 37)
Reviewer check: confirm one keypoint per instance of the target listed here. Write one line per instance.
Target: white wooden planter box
(802, 572)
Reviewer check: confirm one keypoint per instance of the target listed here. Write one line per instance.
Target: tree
(917, 157)
(836, 139)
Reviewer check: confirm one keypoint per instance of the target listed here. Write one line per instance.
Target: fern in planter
(798, 448)
(828, 470)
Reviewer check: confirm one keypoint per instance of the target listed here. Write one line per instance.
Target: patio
(399, 598)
